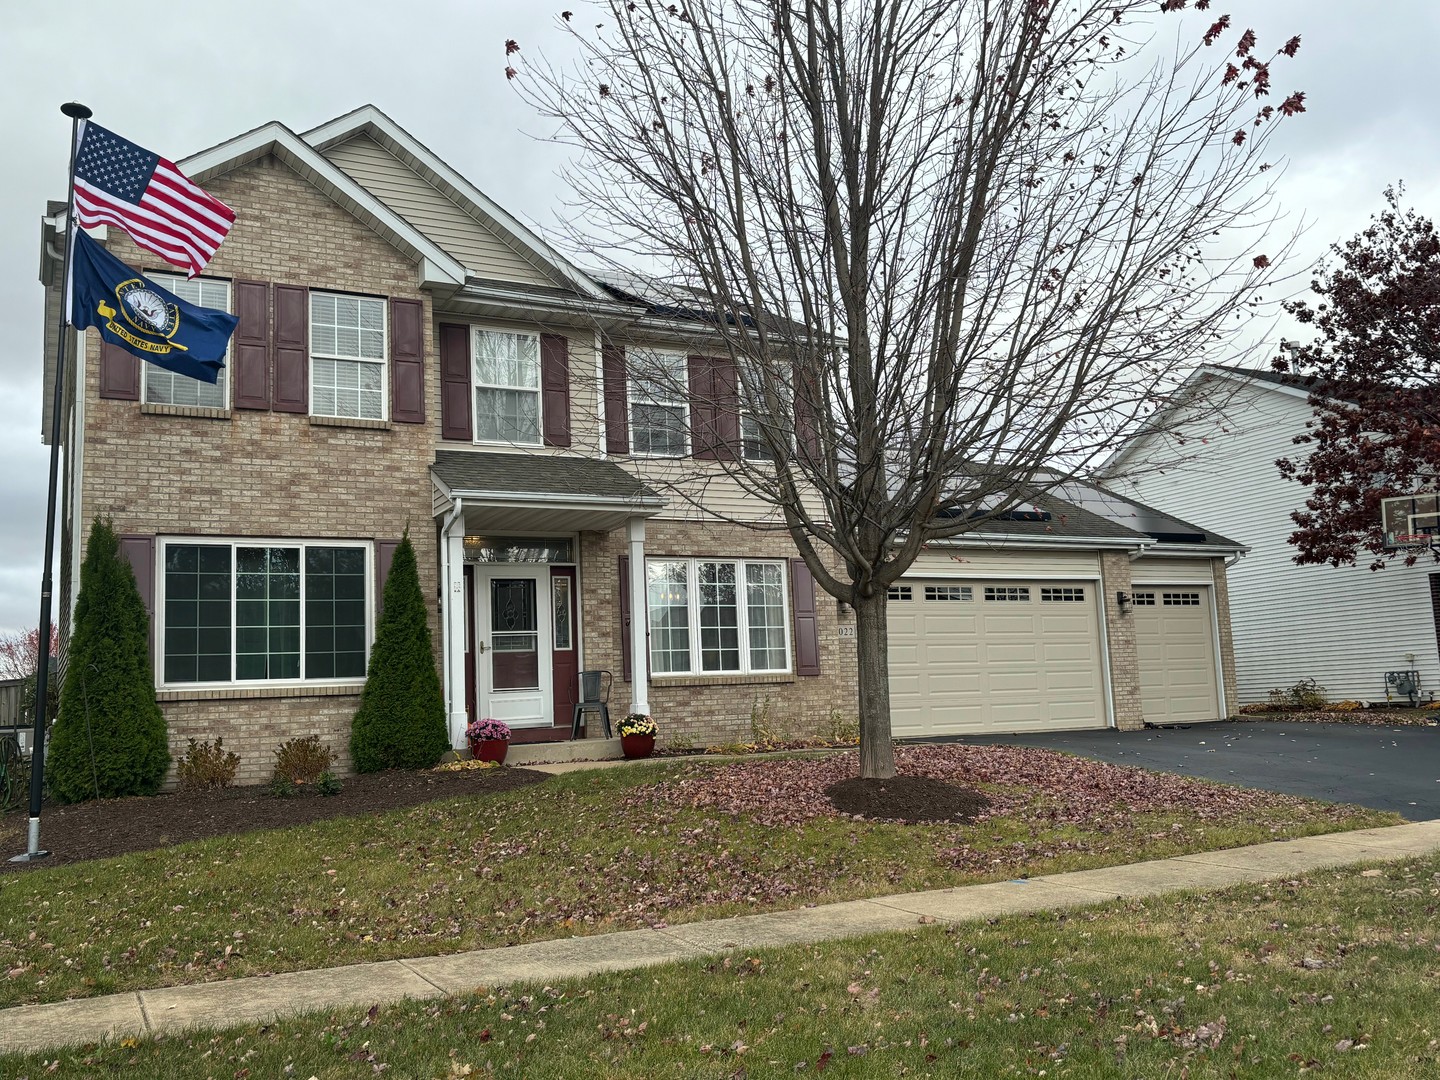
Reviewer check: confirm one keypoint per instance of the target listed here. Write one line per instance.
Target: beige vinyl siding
(966, 562)
(1172, 571)
(1342, 626)
(386, 177)
(701, 491)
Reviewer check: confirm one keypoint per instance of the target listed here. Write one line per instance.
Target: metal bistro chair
(594, 694)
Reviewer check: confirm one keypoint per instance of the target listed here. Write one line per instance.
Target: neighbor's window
(507, 387)
(347, 356)
(168, 388)
(717, 616)
(659, 403)
(242, 612)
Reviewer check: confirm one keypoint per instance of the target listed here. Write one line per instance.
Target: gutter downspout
(1145, 545)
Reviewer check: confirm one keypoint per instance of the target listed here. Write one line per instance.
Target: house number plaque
(844, 631)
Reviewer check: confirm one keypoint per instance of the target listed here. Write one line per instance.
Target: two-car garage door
(1006, 655)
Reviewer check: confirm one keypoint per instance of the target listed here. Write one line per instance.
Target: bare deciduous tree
(950, 249)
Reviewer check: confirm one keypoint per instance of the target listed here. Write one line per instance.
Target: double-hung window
(246, 612)
(717, 616)
(169, 388)
(659, 403)
(507, 387)
(347, 356)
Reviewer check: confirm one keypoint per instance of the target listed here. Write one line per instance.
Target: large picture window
(347, 356)
(659, 403)
(507, 387)
(717, 616)
(254, 612)
(168, 388)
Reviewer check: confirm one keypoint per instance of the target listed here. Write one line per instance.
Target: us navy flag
(133, 312)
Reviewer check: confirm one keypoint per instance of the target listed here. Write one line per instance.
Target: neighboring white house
(1344, 627)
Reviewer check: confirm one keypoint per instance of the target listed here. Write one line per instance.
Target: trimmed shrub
(304, 765)
(109, 738)
(401, 720)
(205, 766)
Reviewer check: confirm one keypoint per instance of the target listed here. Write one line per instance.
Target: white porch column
(639, 616)
(453, 614)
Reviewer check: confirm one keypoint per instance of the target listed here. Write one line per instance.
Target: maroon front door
(565, 657)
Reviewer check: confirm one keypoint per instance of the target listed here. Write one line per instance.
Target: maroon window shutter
(384, 556)
(555, 388)
(725, 385)
(455, 382)
(807, 437)
(292, 349)
(119, 373)
(139, 552)
(250, 348)
(617, 422)
(407, 361)
(807, 631)
(625, 659)
(702, 407)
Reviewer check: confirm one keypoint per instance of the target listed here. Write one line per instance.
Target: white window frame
(692, 588)
(234, 543)
(175, 283)
(383, 363)
(476, 385)
(680, 398)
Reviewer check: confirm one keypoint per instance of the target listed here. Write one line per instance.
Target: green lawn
(1333, 974)
(580, 854)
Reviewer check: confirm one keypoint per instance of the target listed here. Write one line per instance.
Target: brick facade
(710, 710)
(1120, 642)
(1221, 594)
(159, 470)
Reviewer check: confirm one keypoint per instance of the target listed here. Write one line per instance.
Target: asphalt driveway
(1385, 768)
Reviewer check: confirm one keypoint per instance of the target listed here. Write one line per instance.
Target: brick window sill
(349, 422)
(194, 412)
(239, 693)
(663, 682)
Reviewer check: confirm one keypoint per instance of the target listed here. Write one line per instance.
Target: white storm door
(513, 644)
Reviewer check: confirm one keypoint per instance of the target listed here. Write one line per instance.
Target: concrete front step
(572, 750)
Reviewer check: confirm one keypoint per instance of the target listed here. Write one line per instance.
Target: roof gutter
(1017, 540)
(1184, 551)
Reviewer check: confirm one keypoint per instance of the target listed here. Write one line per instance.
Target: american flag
(119, 183)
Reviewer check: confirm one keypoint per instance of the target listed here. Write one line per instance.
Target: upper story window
(163, 387)
(244, 612)
(347, 356)
(659, 403)
(507, 386)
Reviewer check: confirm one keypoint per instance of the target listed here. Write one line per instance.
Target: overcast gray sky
(199, 74)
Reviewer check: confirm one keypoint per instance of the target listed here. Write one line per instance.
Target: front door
(513, 643)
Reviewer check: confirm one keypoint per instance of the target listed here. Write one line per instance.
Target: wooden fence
(10, 703)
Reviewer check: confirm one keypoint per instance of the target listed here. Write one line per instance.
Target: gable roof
(372, 122)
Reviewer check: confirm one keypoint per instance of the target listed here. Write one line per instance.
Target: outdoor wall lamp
(1123, 601)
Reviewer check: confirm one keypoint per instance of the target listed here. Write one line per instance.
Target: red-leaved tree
(1375, 365)
(20, 653)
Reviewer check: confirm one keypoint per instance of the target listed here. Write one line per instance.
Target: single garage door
(994, 656)
(1175, 643)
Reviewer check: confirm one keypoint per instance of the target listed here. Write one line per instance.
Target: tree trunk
(877, 751)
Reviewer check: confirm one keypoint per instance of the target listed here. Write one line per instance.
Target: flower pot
(637, 746)
(489, 750)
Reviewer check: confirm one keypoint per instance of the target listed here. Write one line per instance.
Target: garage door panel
(1175, 648)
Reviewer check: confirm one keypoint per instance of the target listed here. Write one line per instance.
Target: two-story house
(408, 355)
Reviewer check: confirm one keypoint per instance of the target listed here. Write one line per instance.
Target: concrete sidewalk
(33, 1028)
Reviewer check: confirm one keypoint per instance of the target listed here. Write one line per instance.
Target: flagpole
(76, 112)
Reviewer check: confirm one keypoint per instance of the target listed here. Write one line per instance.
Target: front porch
(514, 640)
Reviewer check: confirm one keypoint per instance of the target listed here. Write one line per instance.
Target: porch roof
(519, 492)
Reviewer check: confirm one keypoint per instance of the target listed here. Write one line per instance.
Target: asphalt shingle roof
(538, 474)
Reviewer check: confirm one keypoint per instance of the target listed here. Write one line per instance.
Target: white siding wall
(1344, 627)
(409, 195)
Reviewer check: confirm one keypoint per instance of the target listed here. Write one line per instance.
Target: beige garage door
(994, 656)
(1175, 642)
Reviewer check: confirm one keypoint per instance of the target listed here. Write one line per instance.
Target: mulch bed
(909, 799)
(97, 830)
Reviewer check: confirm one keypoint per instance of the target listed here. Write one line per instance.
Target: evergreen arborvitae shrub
(109, 738)
(401, 720)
